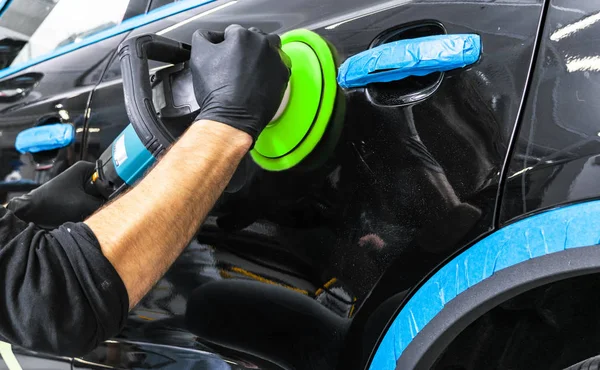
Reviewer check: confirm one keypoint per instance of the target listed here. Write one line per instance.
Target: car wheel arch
(548, 247)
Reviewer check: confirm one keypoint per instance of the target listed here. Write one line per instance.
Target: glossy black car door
(413, 179)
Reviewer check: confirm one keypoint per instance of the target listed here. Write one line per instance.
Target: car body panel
(374, 196)
(553, 165)
(132, 355)
(404, 188)
(556, 231)
(555, 160)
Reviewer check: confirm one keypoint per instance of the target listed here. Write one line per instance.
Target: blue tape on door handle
(414, 57)
(47, 137)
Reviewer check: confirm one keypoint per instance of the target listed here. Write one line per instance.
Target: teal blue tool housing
(130, 157)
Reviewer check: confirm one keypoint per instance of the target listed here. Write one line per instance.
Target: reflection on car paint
(131, 355)
(104, 34)
(556, 152)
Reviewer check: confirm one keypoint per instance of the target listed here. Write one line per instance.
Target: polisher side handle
(134, 54)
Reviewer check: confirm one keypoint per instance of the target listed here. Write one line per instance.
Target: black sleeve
(59, 294)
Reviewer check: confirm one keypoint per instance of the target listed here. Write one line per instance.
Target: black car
(453, 226)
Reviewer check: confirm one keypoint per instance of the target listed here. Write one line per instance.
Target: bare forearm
(144, 231)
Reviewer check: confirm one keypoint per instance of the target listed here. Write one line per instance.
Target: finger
(286, 60)
(234, 31)
(83, 166)
(213, 36)
(274, 40)
(83, 170)
(257, 30)
(20, 205)
(207, 37)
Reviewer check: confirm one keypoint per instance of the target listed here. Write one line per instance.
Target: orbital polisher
(162, 106)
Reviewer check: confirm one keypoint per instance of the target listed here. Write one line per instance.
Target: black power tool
(153, 103)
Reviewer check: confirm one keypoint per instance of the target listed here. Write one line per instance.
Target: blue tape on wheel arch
(128, 25)
(47, 137)
(413, 57)
(550, 232)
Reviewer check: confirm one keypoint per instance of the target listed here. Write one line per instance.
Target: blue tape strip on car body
(550, 232)
(130, 157)
(4, 4)
(128, 25)
(19, 182)
(414, 57)
(47, 137)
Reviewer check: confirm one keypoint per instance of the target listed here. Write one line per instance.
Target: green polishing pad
(286, 141)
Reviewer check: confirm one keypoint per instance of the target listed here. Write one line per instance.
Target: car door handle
(48, 147)
(414, 57)
(17, 88)
(45, 138)
(407, 64)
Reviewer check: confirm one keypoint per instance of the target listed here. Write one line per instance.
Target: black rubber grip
(134, 54)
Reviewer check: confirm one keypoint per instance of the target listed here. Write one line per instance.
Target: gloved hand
(62, 199)
(239, 76)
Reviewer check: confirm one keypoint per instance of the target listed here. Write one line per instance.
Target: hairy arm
(145, 230)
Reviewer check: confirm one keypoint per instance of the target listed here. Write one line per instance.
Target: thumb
(78, 173)
(20, 205)
(235, 31)
(285, 59)
(273, 38)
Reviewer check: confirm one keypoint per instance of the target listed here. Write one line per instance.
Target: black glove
(62, 199)
(240, 77)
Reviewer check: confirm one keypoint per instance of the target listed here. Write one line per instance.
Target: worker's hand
(240, 77)
(62, 199)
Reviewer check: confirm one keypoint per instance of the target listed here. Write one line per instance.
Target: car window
(33, 28)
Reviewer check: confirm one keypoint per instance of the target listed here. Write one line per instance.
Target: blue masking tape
(550, 232)
(19, 182)
(4, 4)
(128, 25)
(414, 57)
(47, 137)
